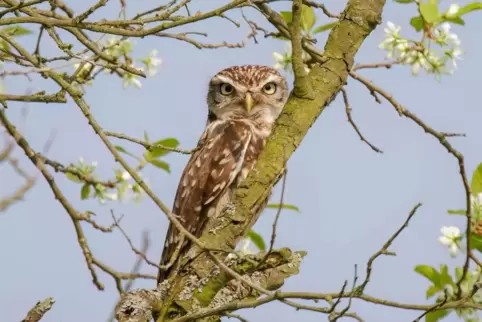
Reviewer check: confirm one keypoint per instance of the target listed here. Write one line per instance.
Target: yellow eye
(227, 89)
(269, 88)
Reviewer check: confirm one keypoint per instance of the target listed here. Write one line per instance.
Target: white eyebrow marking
(224, 79)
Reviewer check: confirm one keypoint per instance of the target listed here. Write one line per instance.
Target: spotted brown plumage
(244, 102)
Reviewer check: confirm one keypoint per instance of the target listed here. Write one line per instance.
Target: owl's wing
(208, 174)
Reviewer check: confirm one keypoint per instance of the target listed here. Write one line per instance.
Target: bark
(325, 80)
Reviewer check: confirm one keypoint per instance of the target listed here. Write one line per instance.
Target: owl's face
(249, 91)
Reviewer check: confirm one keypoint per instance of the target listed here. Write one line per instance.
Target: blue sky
(351, 199)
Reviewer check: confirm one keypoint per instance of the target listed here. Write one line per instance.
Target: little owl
(244, 102)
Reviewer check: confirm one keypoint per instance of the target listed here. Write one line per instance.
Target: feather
(209, 173)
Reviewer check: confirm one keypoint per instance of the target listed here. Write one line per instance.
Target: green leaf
(434, 316)
(322, 28)
(417, 23)
(308, 18)
(287, 16)
(432, 290)
(459, 271)
(445, 277)
(404, 1)
(157, 152)
(85, 191)
(121, 149)
(73, 177)
(429, 11)
(283, 206)
(455, 20)
(430, 273)
(457, 212)
(16, 30)
(160, 164)
(469, 8)
(476, 242)
(257, 239)
(476, 185)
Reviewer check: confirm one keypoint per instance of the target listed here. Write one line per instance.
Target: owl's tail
(170, 245)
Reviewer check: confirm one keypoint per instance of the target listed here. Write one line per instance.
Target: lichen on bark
(326, 78)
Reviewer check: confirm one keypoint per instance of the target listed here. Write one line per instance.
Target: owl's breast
(255, 147)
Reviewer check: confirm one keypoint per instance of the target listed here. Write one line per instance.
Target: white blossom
(392, 29)
(421, 60)
(454, 54)
(111, 196)
(477, 200)
(444, 37)
(283, 61)
(453, 10)
(415, 68)
(423, 57)
(151, 62)
(87, 66)
(245, 246)
(393, 43)
(103, 196)
(125, 175)
(450, 238)
(476, 207)
(131, 79)
(116, 47)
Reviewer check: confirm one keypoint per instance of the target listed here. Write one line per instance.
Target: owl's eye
(269, 88)
(227, 89)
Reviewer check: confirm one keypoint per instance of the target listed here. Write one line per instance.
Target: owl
(243, 102)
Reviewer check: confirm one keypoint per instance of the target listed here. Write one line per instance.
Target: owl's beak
(248, 102)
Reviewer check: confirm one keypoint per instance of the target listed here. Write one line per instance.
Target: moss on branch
(326, 79)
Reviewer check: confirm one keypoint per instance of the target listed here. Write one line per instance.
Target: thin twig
(75, 216)
(235, 316)
(147, 145)
(443, 141)
(434, 307)
(135, 270)
(386, 65)
(355, 127)
(19, 194)
(322, 7)
(384, 249)
(138, 252)
(278, 212)
(275, 222)
(345, 310)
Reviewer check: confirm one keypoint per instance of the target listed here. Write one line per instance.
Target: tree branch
(39, 310)
(402, 111)
(358, 20)
(302, 88)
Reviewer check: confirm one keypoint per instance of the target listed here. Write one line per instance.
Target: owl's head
(249, 91)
